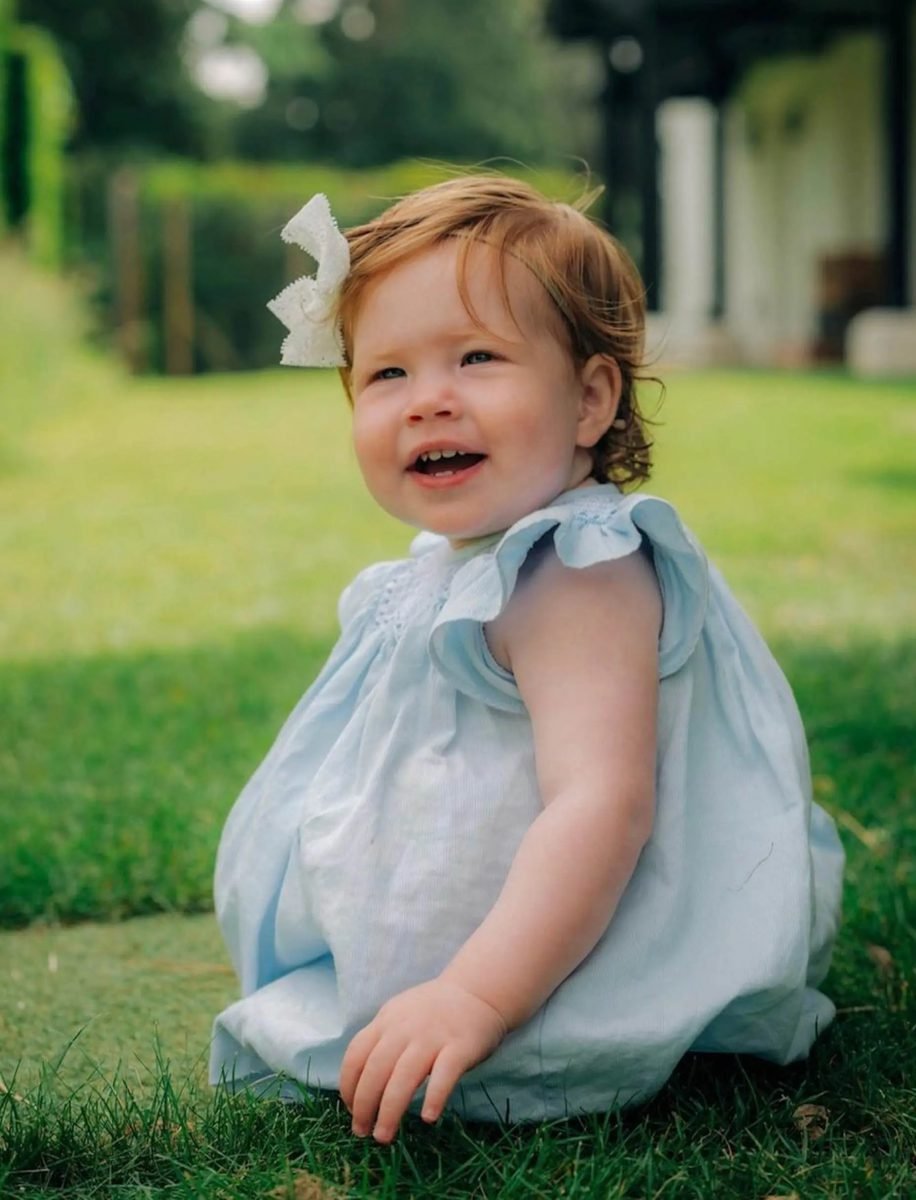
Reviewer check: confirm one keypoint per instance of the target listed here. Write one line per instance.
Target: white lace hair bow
(307, 307)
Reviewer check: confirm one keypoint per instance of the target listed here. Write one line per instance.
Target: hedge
(45, 124)
(190, 253)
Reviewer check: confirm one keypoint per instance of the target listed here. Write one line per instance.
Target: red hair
(596, 289)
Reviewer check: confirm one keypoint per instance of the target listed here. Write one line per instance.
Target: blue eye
(478, 356)
(388, 373)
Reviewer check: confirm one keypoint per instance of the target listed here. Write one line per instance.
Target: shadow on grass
(859, 708)
(895, 479)
(117, 771)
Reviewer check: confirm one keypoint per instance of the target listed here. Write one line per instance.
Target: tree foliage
(354, 82)
(128, 73)
(402, 78)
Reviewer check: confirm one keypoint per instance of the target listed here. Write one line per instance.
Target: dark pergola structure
(658, 49)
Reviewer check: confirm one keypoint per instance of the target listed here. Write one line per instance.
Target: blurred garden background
(178, 517)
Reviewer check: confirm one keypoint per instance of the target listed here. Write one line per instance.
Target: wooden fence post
(124, 238)
(177, 287)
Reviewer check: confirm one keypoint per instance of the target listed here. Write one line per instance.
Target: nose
(430, 398)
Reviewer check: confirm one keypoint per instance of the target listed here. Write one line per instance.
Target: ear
(601, 384)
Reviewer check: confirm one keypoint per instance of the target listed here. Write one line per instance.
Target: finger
(351, 1067)
(448, 1068)
(409, 1072)
(373, 1080)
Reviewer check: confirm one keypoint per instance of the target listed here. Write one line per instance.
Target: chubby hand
(436, 1029)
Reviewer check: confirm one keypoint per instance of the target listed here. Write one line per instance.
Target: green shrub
(34, 144)
(6, 19)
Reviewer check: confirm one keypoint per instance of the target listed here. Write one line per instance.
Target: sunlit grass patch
(118, 771)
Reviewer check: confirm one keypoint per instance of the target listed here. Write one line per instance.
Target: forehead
(454, 284)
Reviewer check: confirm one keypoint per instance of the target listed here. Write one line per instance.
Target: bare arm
(583, 646)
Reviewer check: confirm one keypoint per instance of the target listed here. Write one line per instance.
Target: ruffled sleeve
(598, 527)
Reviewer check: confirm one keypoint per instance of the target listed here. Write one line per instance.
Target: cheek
(547, 428)
(367, 437)
(376, 454)
(365, 459)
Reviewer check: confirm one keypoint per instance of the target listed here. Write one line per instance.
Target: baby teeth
(435, 455)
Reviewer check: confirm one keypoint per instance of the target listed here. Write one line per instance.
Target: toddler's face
(457, 429)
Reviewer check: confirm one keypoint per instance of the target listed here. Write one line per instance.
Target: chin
(465, 533)
(454, 526)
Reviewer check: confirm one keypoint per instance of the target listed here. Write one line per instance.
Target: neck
(463, 543)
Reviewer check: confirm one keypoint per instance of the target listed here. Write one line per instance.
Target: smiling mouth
(445, 463)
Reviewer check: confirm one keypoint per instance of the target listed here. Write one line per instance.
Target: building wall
(805, 180)
(686, 142)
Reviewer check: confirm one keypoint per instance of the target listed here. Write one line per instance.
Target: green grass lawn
(172, 554)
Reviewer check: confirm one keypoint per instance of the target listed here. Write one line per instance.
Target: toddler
(543, 822)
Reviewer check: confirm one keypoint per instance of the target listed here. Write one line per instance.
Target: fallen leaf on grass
(15, 1095)
(811, 1119)
(306, 1186)
(787, 1196)
(167, 1130)
(874, 839)
(882, 959)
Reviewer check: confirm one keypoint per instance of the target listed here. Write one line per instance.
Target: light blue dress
(378, 832)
